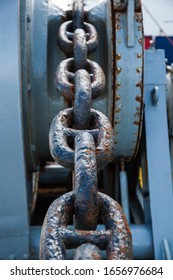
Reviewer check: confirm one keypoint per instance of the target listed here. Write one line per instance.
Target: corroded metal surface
(82, 103)
(64, 78)
(87, 251)
(121, 5)
(119, 246)
(61, 134)
(65, 37)
(128, 92)
(85, 182)
(56, 237)
(82, 138)
(78, 14)
(55, 222)
(80, 49)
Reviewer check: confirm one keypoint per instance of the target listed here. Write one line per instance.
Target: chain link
(82, 139)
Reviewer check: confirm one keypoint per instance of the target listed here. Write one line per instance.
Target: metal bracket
(155, 96)
(158, 154)
(128, 111)
(130, 24)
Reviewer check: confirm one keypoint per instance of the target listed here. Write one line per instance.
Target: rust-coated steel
(65, 37)
(63, 78)
(87, 251)
(56, 237)
(61, 134)
(81, 138)
(82, 103)
(85, 181)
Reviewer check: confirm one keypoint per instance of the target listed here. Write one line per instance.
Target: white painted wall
(162, 11)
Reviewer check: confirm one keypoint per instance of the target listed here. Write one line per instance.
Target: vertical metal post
(158, 155)
(124, 194)
(14, 229)
(130, 23)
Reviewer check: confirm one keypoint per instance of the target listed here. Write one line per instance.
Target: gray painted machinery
(86, 130)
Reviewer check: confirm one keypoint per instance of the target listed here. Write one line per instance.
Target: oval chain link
(82, 139)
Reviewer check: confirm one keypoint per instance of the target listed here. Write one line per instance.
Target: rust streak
(137, 123)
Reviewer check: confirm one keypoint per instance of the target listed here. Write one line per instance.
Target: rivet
(117, 110)
(139, 55)
(138, 70)
(118, 27)
(118, 56)
(140, 41)
(118, 70)
(117, 97)
(138, 18)
(118, 85)
(138, 98)
(118, 19)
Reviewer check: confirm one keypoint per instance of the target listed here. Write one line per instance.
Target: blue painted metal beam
(124, 194)
(14, 228)
(158, 155)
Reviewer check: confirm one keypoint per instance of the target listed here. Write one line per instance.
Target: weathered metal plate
(14, 223)
(128, 95)
(158, 155)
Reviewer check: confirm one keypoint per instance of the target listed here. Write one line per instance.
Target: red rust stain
(139, 98)
(137, 123)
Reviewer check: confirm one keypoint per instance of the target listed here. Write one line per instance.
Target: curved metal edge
(65, 87)
(52, 244)
(129, 65)
(59, 137)
(65, 36)
(55, 222)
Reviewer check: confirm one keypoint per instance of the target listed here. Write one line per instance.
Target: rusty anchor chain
(81, 138)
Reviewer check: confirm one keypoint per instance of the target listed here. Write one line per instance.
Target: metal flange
(128, 83)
